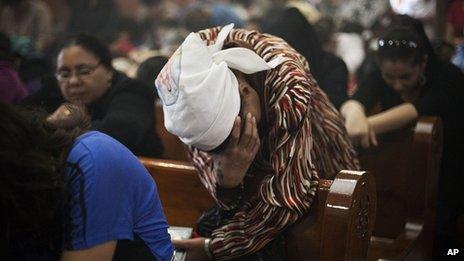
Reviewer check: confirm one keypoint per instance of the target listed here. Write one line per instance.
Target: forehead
(397, 67)
(75, 55)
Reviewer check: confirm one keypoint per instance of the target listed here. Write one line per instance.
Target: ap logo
(452, 252)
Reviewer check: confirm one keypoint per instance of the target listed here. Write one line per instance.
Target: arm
(100, 252)
(357, 124)
(393, 119)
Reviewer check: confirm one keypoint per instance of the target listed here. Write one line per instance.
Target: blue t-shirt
(113, 197)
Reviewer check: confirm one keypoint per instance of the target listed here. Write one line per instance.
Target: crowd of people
(269, 96)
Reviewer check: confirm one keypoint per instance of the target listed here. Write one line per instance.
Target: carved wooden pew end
(338, 226)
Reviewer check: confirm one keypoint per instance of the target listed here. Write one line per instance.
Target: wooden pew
(406, 169)
(174, 149)
(338, 226)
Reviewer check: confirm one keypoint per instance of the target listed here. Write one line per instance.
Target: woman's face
(402, 76)
(249, 99)
(81, 76)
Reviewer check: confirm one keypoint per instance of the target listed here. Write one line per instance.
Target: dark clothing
(443, 96)
(329, 70)
(334, 81)
(125, 112)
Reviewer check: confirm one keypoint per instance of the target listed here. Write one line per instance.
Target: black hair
(417, 26)
(292, 26)
(5, 47)
(93, 45)
(401, 43)
(33, 185)
(150, 68)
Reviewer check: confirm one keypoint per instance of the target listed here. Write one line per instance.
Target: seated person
(72, 193)
(411, 82)
(119, 106)
(261, 133)
(330, 71)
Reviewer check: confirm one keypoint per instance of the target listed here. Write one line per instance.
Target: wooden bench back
(174, 149)
(406, 169)
(337, 227)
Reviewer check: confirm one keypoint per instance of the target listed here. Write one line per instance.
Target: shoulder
(445, 73)
(98, 149)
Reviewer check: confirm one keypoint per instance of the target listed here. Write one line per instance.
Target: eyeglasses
(397, 43)
(82, 71)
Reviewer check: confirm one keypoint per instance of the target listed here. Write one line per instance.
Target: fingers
(365, 142)
(236, 130)
(250, 133)
(246, 139)
(373, 138)
(246, 132)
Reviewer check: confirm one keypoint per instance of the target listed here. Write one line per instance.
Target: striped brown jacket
(305, 139)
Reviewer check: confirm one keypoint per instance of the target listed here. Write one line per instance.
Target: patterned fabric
(304, 140)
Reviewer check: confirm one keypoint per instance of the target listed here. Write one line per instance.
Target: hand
(232, 165)
(194, 247)
(70, 115)
(360, 131)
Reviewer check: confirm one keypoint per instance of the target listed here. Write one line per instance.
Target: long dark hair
(33, 184)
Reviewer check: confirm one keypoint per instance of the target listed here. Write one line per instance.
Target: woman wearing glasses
(119, 106)
(409, 83)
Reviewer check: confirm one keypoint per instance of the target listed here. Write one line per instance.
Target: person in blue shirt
(71, 194)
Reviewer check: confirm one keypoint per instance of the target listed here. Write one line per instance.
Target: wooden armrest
(340, 222)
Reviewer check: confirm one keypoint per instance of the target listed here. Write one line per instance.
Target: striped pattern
(306, 140)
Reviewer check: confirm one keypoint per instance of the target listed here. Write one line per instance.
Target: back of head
(92, 45)
(150, 68)
(33, 189)
(416, 26)
(292, 26)
(401, 43)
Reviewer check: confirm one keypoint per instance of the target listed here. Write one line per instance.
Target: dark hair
(150, 68)
(93, 45)
(292, 26)
(33, 184)
(416, 26)
(401, 43)
(5, 47)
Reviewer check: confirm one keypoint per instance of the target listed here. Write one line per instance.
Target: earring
(422, 80)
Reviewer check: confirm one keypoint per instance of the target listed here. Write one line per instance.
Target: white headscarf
(199, 91)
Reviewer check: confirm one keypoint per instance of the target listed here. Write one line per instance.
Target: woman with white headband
(260, 133)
